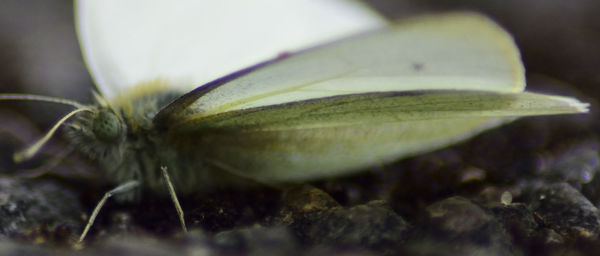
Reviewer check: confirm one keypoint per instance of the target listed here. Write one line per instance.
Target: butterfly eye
(106, 126)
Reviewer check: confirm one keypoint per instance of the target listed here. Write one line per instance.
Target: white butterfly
(392, 90)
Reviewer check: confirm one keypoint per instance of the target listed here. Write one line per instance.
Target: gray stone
(458, 226)
(567, 211)
(257, 241)
(372, 225)
(38, 209)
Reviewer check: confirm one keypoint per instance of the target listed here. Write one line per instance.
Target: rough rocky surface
(38, 210)
(528, 188)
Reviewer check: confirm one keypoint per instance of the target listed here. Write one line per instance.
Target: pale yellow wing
(459, 51)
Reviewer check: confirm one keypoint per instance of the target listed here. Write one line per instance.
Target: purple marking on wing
(163, 117)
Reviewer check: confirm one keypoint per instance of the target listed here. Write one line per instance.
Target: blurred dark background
(39, 54)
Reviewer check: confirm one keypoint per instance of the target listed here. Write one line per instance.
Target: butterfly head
(99, 133)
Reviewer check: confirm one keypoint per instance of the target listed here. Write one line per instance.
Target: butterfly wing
(461, 51)
(393, 93)
(188, 43)
(389, 107)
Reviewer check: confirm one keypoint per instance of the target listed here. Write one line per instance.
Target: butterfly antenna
(32, 97)
(34, 148)
(39, 171)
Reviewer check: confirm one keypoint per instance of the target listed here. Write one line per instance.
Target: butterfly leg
(125, 187)
(174, 197)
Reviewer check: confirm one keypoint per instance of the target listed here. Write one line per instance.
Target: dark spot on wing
(418, 66)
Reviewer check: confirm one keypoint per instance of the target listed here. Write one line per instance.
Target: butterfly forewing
(455, 51)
